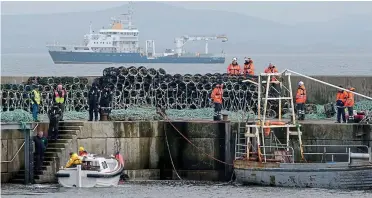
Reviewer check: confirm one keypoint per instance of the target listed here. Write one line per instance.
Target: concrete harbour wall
(144, 145)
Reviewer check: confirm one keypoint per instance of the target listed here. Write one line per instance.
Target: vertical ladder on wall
(241, 141)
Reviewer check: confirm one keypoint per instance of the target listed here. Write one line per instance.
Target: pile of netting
(17, 96)
(138, 91)
(139, 87)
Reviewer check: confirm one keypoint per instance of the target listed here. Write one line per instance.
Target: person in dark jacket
(55, 115)
(41, 144)
(106, 99)
(94, 96)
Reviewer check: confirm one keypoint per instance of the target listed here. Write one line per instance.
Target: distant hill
(162, 23)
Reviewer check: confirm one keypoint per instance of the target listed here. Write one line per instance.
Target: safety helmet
(234, 59)
(81, 149)
(300, 83)
(246, 59)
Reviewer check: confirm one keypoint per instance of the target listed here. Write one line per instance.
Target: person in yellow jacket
(74, 160)
(35, 102)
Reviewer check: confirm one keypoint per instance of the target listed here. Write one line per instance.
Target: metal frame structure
(253, 131)
(28, 147)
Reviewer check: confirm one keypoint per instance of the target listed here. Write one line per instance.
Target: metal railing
(23, 144)
(347, 150)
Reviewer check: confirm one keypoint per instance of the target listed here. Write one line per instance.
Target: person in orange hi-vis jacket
(341, 98)
(271, 69)
(234, 68)
(248, 67)
(217, 100)
(350, 104)
(301, 100)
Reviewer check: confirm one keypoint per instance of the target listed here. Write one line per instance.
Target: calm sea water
(170, 189)
(310, 64)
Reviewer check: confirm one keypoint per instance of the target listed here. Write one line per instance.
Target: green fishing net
(149, 113)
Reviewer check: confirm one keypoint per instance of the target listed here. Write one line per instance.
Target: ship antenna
(90, 27)
(130, 12)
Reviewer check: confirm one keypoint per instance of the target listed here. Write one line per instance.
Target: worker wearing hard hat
(216, 96)
(350, 104)
(74, 160)
(271, 69)
(234, 68)
(248, 67)
(82, 152)
(300, 100)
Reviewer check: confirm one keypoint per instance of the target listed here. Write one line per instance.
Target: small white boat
(95, 171)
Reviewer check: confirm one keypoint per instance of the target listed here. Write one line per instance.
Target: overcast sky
(284, 12)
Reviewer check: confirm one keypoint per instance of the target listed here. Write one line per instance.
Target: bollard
(225, 117)
(104, 113)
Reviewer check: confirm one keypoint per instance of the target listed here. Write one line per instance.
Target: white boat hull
(76, 177)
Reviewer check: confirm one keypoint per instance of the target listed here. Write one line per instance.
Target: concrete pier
(144, 147)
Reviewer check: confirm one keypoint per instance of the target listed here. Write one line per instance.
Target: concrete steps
(67, 130)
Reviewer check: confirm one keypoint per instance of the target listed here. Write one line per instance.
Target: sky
(283, 12)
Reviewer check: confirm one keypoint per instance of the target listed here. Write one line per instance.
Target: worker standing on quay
(35, 101)
(300, 100)
(60, 99)
(248, 67)
(341, 98)
(217, 100)
(54, 115)
(233, 68)
(94, 96)
(350, 104)
(106, 100)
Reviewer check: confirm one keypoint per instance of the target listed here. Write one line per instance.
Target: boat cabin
(94, 164)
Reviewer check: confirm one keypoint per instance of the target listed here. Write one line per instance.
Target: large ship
(120, 44)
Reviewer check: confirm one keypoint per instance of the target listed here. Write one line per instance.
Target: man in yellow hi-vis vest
(60, 99)
(35, 101)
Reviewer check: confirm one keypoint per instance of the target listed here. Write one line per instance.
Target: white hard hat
(300, 83)
(235, 59)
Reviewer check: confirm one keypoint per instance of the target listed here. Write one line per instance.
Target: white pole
(206, 47)
(337, 87)
(78, 176)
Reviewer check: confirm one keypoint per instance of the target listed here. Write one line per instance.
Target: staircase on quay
(53, 154)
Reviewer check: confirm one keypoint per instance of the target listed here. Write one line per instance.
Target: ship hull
(311, 175)
(111, 58)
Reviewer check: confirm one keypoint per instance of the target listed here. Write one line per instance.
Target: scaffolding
(251, 143)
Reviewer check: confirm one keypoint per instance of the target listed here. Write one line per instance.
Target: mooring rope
(208, 155)
(170, 155)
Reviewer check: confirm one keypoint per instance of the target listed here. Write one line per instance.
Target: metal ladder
(253, 131)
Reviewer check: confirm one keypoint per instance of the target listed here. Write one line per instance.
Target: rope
(170, 155)
(208, 155)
